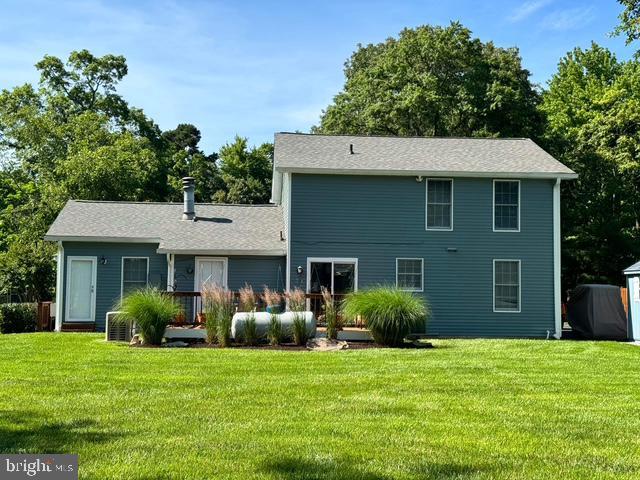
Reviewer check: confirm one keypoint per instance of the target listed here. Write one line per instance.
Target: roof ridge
(400, 136)
(126, 202)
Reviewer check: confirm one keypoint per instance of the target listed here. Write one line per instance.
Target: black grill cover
(596, 312)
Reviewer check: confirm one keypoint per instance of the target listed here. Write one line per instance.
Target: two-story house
(473, 225)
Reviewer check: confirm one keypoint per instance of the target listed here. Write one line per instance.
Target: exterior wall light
(103, 260)
(300, 270)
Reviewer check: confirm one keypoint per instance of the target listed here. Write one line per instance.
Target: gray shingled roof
(414, 155)
(633, 269)
(229, 229)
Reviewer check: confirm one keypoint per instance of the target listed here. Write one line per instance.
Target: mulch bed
(285, 346)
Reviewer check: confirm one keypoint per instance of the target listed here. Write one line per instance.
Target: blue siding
(253, 270)
(256, 271)
(109, 275)
(377, 219)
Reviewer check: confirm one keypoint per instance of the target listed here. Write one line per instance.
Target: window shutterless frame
(421, 260)
(493, 203)
(122, 271)
(504, 310)
(426, 206)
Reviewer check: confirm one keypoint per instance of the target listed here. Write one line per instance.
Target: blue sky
(254, 68)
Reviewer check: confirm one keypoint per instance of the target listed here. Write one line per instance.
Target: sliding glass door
(338, 275)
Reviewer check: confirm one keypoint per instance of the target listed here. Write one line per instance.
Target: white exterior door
(81, 289)
(211, 271)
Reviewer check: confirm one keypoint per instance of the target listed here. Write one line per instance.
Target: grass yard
(467, 409)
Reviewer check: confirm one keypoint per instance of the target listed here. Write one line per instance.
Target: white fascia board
(429, 173)
(255, 253)
(75, 238)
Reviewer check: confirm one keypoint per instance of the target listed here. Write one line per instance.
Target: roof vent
(351, 148)
(189, 187)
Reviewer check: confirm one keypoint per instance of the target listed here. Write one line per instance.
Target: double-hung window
(506, 286)
(439, 204)
(506, 205)
(410, 274)
(135, 273)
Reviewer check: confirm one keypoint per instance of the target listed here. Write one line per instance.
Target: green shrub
(275, 335)
(17, 317)
(390, 314)
(331, 317)
(151, 309)
(299, 327)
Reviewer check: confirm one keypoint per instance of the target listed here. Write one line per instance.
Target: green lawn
(467, 409)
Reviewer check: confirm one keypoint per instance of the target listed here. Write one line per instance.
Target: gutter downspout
(170, 271)
(59, 286)
(557, 290)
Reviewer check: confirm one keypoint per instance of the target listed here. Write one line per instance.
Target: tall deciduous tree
(245, 172)
(629, 20)
(72, 137)
(593, 111)
(435, 81)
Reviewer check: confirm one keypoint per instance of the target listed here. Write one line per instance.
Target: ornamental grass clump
(271, 298)
(297, 305)
(218, 302)
(151, 309)
(390, 314)
(331, 317)
(275, 334)
(249, 331)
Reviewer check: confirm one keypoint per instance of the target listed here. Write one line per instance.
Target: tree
(245, 172)
(434, 81)
(629, 20)
(187, 159)
(593, 111)
(72, 137)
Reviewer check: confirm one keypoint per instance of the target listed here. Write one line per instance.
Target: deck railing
(193, 310)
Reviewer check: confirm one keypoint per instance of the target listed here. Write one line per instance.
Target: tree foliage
(435, 81)
(74, 136)
(593, 112)
(629, 20)
(245, 172)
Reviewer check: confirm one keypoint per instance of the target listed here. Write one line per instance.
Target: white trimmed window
(135, 273)
(439, 204)
(506, 205)
(506, 286)
(410, 274)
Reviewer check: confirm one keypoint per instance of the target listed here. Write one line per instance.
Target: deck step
(78, 327)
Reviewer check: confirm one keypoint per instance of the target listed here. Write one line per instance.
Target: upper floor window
(409, 274)
(506, 205)
(439, 204)
(135, 273)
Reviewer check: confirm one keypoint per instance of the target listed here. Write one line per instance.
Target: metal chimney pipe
(189, 187)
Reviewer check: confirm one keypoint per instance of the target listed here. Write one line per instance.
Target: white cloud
(526, 9)
(570, 19)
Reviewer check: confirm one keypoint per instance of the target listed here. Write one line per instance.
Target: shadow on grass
(305, 468)
(23, 432)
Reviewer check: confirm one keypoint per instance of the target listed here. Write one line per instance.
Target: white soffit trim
(71, 238)
(428, 173)
(263, 253)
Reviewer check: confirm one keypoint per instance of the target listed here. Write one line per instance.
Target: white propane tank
(263, 319)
